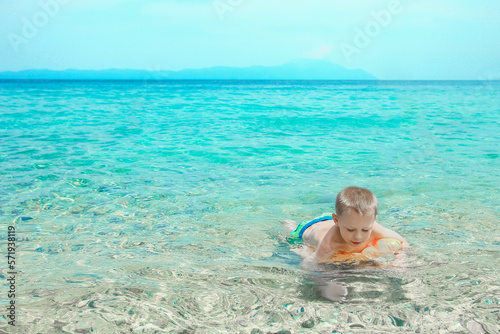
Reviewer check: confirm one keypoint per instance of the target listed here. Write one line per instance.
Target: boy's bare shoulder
(315, 233)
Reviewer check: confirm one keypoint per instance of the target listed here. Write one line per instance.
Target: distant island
(304, 69)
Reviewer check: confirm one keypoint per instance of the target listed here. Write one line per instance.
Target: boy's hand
(400, 260)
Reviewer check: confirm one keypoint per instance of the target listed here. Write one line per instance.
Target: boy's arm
(382, 232)
(379, 232)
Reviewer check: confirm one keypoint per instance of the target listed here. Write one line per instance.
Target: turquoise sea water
(155, 207)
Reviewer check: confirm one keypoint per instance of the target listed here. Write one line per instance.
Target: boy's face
(354, 228)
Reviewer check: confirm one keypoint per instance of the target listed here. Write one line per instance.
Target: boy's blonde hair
(360, 200)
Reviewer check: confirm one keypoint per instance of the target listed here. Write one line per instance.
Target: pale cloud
(96, 4)
(319, 52)
(13, 7)
(13, 10)
(188, 12)
(455, 9)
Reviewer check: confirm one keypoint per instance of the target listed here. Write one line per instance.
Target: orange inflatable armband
(375, 249)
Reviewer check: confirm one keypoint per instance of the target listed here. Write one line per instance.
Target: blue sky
(392, 39)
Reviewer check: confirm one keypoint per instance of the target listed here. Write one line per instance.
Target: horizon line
(273, 80)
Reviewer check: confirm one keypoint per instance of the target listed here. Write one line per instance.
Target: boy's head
(355, 199)
(356, 210)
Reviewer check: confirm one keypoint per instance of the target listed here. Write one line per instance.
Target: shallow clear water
(155, 206)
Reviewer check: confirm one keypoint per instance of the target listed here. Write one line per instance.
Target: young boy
(350, 230)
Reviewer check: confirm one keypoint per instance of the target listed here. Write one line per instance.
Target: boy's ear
(335, 218)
